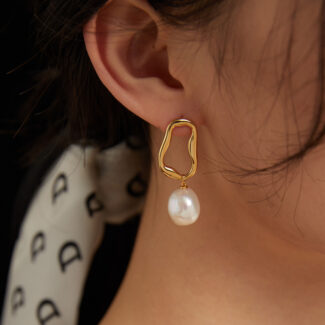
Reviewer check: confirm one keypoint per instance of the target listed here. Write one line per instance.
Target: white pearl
(183, 206)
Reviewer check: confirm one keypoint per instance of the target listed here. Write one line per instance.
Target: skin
(256, 253)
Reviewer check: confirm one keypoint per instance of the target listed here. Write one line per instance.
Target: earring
(183, 203)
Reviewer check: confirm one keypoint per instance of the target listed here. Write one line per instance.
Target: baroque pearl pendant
(183, 206)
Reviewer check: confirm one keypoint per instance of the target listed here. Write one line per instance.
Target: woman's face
(256, 82)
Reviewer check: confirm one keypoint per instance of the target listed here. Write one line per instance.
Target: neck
(227, 268)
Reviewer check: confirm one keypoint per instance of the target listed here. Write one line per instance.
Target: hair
(77, 106)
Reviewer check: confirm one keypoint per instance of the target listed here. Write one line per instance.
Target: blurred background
(16, 72)
(19, 129)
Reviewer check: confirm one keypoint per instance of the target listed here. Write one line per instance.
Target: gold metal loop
(192, 144)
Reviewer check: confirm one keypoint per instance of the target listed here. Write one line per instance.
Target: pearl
(183, 206)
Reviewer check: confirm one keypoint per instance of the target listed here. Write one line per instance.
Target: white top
(63, 227)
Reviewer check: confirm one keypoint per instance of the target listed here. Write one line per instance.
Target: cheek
(262, 111)
(252, 136)
(263, 103)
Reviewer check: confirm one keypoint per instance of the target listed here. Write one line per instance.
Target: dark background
(16, 49)
(19, 66)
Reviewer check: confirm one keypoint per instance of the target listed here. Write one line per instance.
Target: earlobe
(130, 56)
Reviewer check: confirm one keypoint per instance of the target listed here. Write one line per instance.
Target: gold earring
(183, 203)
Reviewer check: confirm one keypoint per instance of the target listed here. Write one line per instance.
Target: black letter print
(60, 185)
(46, 310)
(137, 186)
(93, 204)
(65, 258)
(38, 244)
(17, 298)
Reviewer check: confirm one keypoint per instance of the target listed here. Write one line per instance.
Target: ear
(131, 52)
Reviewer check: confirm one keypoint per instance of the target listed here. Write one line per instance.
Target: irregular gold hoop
(192, 145)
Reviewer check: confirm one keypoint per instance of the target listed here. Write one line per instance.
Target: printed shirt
(83, 196)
